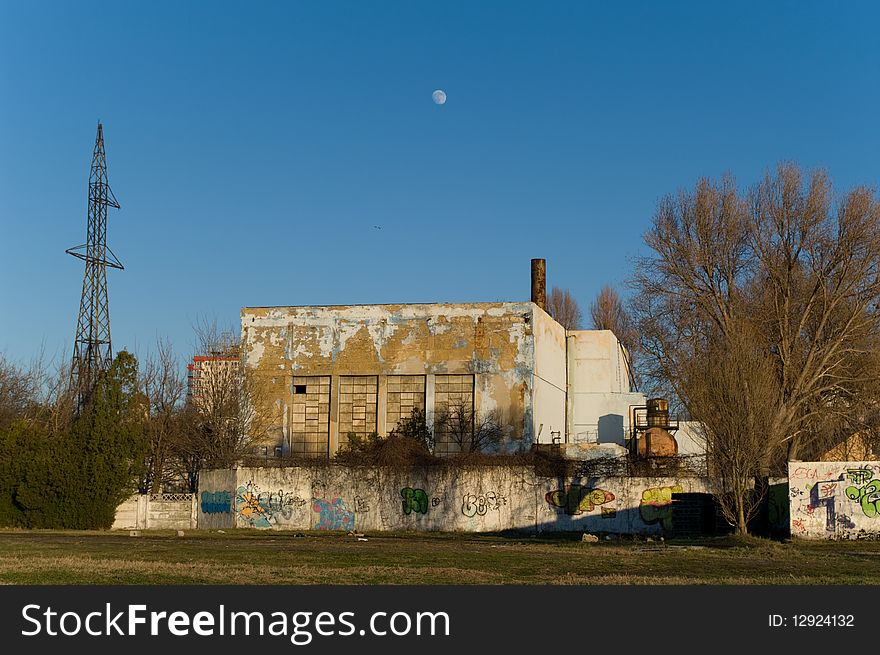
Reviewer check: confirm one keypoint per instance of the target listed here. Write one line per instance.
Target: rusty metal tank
(657, 442)
(658, 413)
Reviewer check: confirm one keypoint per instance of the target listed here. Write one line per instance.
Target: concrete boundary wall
(157, 512)
(479, 499)
(834, 500)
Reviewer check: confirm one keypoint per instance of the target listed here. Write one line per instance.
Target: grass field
(254, 557)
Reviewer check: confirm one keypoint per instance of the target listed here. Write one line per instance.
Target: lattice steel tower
(92, 353)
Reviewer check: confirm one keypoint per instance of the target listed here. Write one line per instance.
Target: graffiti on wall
(216, 502)
(823, 495)
(480, 504)
(332, 514)
(805, 473)
(263, 509)
(471, 501)
(865, 491)
(656, 505)
(248, 508)
(576, 499)
(414, 500)
(835, 499)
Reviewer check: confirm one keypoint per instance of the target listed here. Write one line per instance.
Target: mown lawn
(255, 557)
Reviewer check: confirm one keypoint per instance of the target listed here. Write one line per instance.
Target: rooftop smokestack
(539, 283)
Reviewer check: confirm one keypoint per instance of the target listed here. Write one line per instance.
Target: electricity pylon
(92, 353)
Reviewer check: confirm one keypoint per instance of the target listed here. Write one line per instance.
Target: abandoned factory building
(331, 371)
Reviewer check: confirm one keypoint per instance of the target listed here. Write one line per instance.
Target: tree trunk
(741, 527)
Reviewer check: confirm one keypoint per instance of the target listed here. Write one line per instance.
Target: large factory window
(310, 416)
(357, 406)
(405, 393)
(454, 411)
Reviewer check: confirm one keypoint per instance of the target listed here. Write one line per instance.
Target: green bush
(76, 479)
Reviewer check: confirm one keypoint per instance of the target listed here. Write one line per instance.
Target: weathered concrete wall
(129, 514)
(157, 512)
(491, 341)
(480, 499)
(341, 498)
(600, 396)
(216, 495)
(689, 438)
(550, 378)
(834, 500)
(616, 505)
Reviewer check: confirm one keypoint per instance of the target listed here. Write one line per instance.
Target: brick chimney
(539, 283)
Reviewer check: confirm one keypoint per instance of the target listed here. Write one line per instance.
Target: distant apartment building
(211, 376)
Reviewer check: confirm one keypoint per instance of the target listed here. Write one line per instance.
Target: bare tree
(608, 313)
(799, 269)
(736, 399)
(457, 424)
(18, 392)
(38, 393)
(57, 398)
(163, 385)
(562, 306)
(227, 412)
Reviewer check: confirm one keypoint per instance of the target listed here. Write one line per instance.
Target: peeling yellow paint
(492, 341)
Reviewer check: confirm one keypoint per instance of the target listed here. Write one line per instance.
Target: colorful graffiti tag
(656, 505)
(263, 509)
(332, 514)
(865, 491)
(576, 499)
(859, 475)
(823, 495)
(414, 500)
(216, 502)
(473, 504)
(248, 508)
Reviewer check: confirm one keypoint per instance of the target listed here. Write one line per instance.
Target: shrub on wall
(408, 444)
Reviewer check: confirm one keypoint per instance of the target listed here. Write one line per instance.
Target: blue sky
(254, 146)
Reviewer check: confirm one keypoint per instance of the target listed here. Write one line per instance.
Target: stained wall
(487, 345)
(478, 499)
(550, 378)
(600, 395)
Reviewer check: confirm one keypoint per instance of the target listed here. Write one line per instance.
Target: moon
(439, 97)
